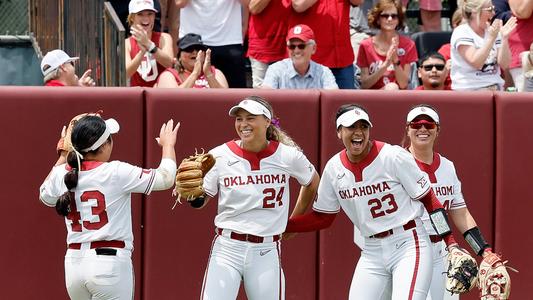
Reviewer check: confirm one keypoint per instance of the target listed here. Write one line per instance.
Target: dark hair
(347, 107)
(406, 141)
(375, 12)
(274, 132)
(85, 133)
(431, 54)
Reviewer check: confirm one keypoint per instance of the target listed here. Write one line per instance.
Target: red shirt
(421, 88)
(445, 51)
(520, 39)
(369, 58)
(54, 82)
(330, 21)
(267, 32)
(200, 83)
(150, 67)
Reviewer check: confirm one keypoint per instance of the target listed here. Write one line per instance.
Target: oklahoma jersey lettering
(445, 184)
(102, 200)
(254, 187)
(377, 193)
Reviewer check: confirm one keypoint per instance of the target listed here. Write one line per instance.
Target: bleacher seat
(430, 41)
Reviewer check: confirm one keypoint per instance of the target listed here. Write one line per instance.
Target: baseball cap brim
(422, 110)
(253, 107)
(349, 118)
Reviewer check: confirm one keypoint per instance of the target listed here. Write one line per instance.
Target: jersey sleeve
(301, 168)
(134, 179)
(327, 201)
(460, 37)
(53, 187)
(211, 178)
(415, 182)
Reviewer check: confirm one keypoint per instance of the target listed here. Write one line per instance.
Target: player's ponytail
(84, 134)
(274, 131)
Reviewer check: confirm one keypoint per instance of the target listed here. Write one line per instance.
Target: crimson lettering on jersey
(443, 190)
(255, 179)
(367, 190)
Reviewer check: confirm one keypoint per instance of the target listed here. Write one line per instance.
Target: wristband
(153, 48)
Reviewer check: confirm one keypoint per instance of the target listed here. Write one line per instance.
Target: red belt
(248, 237)
(99, 244)
(435, 238)
(409, 225)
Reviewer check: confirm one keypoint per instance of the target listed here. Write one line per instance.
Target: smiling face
(300, 56)
(423, 132)
(251, 129)
(356, 140)
(145, 19)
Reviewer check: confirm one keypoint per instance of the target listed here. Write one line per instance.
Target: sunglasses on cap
(428, 68)
(299, 46)
(386, 16)
(418, 124)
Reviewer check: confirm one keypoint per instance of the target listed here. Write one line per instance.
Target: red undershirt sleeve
(312, 221)
(431, 203)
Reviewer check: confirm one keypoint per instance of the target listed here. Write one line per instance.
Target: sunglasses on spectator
(428, 68)
(490, 8)
(427, 124)
(299, 46)
(193, 48)
(386, 16)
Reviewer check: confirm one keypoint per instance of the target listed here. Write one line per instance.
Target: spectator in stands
(479, 49)
(527, 69)
(502, 10)
(330, 22)
(385, 59)
(170, 20)
(359, 29)
(222, 25)
(299, 71)
(432, 72)
(267, 30)
(193, 68)
(430, 14)
(445, 49)
(59, 70)
(520, 39)
(148, 52)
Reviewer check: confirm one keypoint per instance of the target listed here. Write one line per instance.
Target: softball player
(384, 193)
(422, 130)
(251, 176)
(98, 198)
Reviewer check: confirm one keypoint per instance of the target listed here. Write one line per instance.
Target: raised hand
(494, 28)
(168, 134)
(207, 63)
(86, 79)
(508, 27)
(141, 36)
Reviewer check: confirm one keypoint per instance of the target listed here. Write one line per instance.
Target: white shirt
(378, 193)
(463, 75)
(219, 22)
(102, 209)
(445, 185)
(254, 187)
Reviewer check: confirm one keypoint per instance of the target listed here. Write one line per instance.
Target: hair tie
(275, 122)
(79, 157)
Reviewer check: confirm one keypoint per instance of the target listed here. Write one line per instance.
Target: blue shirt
(282, 75)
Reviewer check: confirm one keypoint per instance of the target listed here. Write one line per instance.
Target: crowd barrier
(484, 134)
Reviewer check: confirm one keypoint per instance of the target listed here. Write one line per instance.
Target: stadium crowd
(300, 44)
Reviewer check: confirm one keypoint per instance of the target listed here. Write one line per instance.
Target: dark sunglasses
(417, 125)
(299, 46)
(193, 48)
(428, 68)
(386, 16)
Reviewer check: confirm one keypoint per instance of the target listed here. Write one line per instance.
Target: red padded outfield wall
(485, 135)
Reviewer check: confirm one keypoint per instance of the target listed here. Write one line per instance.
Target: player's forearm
(165, 174)
(312, 221)
(462, 219)
(132, 65)
(306, 196)
(438, 217)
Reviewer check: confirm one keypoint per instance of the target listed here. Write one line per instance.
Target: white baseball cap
(349, 118)
(136, 6)
(422, 110)
(53, 60)
(251, 106)
(111, 127)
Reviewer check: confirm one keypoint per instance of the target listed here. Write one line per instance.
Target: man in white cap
(299, 71)
(58, 70)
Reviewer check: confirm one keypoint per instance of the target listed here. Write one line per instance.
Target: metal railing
(114, 50)
(88, 29)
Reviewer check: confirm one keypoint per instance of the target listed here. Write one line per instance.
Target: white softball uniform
(447, 188)
(379, 195)
(99, 231)
(253, 207)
